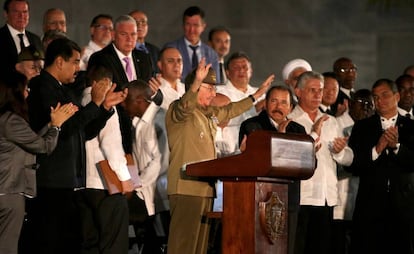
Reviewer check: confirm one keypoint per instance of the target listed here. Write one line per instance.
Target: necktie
(408, 115)
(222, 73)
(329, 111)
(194, 60)
(22, 46)
(141, 47)
(128, 68)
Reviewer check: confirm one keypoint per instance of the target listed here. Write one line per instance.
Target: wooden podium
(255, 190)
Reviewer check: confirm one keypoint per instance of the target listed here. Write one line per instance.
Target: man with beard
(278, 105)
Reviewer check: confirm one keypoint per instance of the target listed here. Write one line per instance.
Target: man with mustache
(278, 104)
(61, 174)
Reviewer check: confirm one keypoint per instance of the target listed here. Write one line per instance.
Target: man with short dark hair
(330, 92)
(405, 85)
(219, 39)
(13, 35)
(101, 36)
(278, 104)
(346, 73)
(142, 31)
(191, 47)
(61, 174)
(383, 220)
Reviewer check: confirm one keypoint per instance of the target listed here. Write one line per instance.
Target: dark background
(376, 34)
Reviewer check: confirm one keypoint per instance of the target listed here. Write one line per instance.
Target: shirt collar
(404, 112)
(15, 32)
(386, 123)
(188, 43)
(120, 54)
(272, 122)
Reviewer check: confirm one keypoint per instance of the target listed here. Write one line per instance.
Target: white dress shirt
(147, 155)
(121, 57)
(227, 138)
(169, 93)
(14, 33)
(107, 145)
(321, 188)
(347, 183)
(91, 48)
(404, 112)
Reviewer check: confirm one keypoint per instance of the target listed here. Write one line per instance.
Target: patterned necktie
(128, 68)
(22, 46)
(194, 60)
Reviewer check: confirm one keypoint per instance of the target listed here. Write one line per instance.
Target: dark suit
(262, 122)
(55, 212)
(9, 50)
(339, 100)
(206, 51)
(107, 57)
(384, 209)
(154, 53)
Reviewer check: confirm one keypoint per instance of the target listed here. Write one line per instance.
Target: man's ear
(59, 62)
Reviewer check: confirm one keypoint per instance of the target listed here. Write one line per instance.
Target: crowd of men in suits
(361, 189)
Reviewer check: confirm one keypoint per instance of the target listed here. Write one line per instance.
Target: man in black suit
(61, 175)
(346, 73)
(279, 103)
(142, 45)
(383, 146)
(13, 35)
(114, 57)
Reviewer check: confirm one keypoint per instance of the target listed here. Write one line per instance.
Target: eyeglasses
(348, 70)
(104, 27)
(209, 88)
(365, 103)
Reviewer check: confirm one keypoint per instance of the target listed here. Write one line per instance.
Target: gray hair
(304, 77)
(124, 19)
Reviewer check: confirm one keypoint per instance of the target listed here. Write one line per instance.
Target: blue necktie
(194, 60)
(141, 47)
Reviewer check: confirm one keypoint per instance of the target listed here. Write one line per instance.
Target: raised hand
(61, 113)
(317, 126)
(99, 90)
(264, 87)
(201, 74)
(113, 98)
(342, 108)
(155, 83)
(283, 125)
